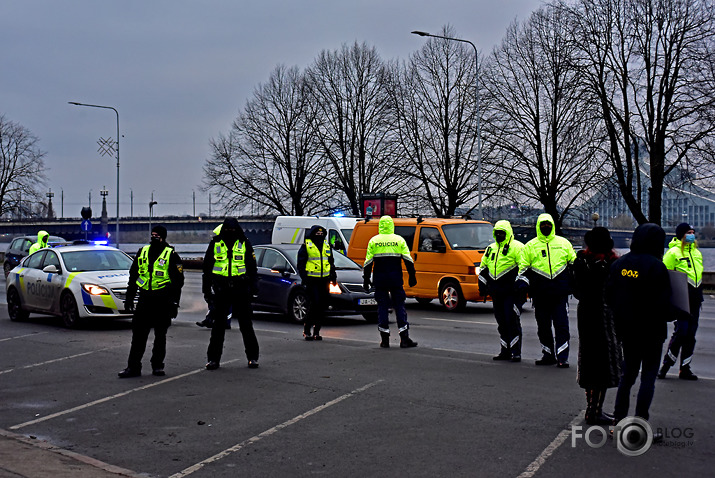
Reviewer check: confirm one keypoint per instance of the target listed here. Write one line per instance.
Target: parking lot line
(549, 450)
(271, 431)
(112, 397)
(58, 359)
(458, 321)
(21, 336)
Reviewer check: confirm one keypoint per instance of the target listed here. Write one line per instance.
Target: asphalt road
(340, 407)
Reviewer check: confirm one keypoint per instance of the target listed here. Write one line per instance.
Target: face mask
(155, 241)
(500, 236)
(545, 229)
(690, 238)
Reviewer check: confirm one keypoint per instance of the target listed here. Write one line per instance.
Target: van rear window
(407, 233)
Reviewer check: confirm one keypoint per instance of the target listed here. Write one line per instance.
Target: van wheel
(70, 313)
(297, 307)
(14, 306)
(423, 300)
(450, 296)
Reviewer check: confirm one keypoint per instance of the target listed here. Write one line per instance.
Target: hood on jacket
(545, 218)
(313, 237)
(648, 238)
(505, 226)
(231, 223)
(386, 225)
(42, 238)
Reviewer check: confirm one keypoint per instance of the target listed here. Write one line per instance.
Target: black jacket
(638, 288)
(210, 279)
(176, 273)
(303, 257)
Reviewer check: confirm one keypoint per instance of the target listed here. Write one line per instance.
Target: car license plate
(367, 302)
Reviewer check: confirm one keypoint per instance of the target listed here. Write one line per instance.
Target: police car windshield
(99, 260)
(468, 236)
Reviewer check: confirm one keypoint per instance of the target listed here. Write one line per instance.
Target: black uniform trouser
(318, 297)
(508, 316)
(152, 313)
(684, 333)
(548, 310)
(235, 299)
(638, 356)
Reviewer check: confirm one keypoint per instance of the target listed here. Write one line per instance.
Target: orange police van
(447, 255)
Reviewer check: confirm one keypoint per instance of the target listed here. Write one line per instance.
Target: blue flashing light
(100, 243)
(339, 214)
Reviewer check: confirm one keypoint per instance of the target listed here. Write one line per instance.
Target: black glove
(173, 310)
(483, 289)
(412, 280)
(129, 304)
(366, 283)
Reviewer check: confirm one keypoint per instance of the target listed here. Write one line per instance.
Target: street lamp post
(479, 135)
(117, 113)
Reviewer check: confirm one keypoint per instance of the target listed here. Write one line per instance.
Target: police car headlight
(334, 289)
(94, 289)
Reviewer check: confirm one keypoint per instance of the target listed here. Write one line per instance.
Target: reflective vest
(689, 261)
(547, 259)
(159, 277)
(229, 265)
(500, 258)
(318, 264)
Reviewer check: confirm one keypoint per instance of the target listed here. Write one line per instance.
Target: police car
(75, 282)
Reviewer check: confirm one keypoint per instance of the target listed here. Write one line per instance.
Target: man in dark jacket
(228, 284)
(317, 271)
(158, 274)
(638, 293)
(385, 254)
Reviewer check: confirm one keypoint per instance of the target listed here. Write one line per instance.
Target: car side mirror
(51, 269)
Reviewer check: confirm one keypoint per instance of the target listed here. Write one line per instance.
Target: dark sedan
(20, 247)
(280, 289)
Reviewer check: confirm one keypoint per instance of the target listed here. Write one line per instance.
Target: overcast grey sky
(178, 72)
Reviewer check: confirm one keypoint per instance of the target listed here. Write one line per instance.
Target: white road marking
(112, 397)
(270, 432)
(549, 450)
(58, 359)
(457, 321)
(22, 336)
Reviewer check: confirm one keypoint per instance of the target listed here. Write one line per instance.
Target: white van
(292, 229)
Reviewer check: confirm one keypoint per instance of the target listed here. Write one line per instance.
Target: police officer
(543, 269)
(317, 272)
(683, 255)
(157, 273)
(228, 284)
(42, 238)
(385, 253)
(499, 268)
(638, 293)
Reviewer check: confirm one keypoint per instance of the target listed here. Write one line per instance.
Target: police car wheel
(7, 267)
(450, 296)
(14, 306)
(297, 306)
(70, 313)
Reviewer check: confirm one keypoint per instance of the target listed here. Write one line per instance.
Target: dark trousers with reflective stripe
(553, 310)
(394, 296)
(236, 300)
(508, 313)
(643, 357)
(151, 313)
(684, 335)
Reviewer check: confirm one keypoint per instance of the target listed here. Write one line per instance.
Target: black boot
(316, 333)
(687, 374)
(547, 359)
(306, 332)
(602, 418)
(405, 341)
(663, 370)
(385, 340)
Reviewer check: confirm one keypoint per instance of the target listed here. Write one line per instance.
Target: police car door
(34, 288)
(54, 282)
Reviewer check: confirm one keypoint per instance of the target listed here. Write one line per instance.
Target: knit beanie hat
(682, 228)
(161, 230)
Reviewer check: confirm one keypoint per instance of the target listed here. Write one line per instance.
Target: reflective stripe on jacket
(500, 258)
(159, 277)
(318, 264)
(688, 260)
(229, 265)
(547, 256)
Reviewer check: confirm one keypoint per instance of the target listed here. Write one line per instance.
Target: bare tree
(269, 158)
(435, 120)
(351, 120)
(22, 169)
(545, 136)
(649, 65)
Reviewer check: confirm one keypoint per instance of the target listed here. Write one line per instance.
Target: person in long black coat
(599, 353)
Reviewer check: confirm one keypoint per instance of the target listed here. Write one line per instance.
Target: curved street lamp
(479, 135)
(117, 113)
